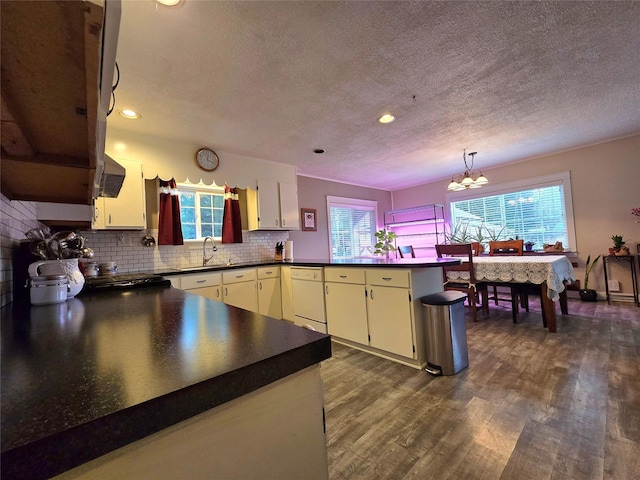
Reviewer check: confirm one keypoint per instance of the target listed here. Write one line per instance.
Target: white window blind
(536, 210)
(352, 226)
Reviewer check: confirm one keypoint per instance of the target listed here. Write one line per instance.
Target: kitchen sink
(211, 266)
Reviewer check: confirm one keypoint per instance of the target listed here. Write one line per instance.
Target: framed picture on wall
(309, 220)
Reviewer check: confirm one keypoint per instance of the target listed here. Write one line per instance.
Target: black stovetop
(124, 281)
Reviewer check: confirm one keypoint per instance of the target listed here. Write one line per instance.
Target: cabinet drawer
(344, 275)
(269, 272)
(313, 274)
(200, 280)
(236, 276)
(388, 277)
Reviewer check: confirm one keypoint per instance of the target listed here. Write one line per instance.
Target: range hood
(111, 179)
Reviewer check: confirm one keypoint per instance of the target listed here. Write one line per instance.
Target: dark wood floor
(531, 404)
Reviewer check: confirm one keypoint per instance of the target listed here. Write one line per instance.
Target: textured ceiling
(275, 80)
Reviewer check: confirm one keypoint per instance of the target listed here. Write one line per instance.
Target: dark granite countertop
(92, 374)
(350, 262)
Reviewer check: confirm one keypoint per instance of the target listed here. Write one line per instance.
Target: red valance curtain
(169, 225)
(231, 220)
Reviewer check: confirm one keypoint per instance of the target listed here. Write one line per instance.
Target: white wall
(605, 180)
(172, 159)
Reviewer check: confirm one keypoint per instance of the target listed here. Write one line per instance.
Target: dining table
(550, 273)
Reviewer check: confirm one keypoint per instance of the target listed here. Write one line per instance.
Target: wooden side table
(631, 260)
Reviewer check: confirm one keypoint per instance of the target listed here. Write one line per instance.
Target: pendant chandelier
(470, 178)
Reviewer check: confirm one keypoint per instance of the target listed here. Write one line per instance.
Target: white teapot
(67, 266)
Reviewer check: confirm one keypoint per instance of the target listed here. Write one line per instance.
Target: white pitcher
(67, 266)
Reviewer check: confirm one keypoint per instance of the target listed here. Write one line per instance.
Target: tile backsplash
(125, 247)
(16, 218)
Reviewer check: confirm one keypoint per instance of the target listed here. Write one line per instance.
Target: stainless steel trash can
(446, 333)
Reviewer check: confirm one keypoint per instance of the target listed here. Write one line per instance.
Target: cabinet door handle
(283, 222)
(387, 278)
(200, 281)
(343, 276)
(226, 292)
(269, 272)
(371, 294)
(276, 222)
(109, 218)
(217, 293)
(239, 276)
(96, 212)
(260, 285)
(326, 289)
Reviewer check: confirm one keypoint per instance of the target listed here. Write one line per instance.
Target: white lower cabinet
(390, 320)
(206, 284)
(345, 303)
(385, 319)
(269, 292)
(240, 288)
(287, 293)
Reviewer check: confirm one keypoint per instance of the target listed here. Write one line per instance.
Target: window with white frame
(352, 227)
(201, 211)
(538, 210)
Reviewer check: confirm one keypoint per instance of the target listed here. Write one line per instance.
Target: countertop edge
(361, 263)
(73, 447)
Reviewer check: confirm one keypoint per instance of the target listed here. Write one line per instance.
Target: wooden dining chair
(464, 280)
(508, 247)
(406, 250)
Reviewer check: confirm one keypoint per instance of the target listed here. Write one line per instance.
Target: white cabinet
(127, 210)
(206, 284)
(389, 311)
(239, 288)
(269, 291)
(308, 298)
(287, 293)
(388, 319)
(345, 301)
(273, 206)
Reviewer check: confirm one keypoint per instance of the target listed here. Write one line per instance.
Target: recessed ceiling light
(386, 118)
(130, 114)
(169, 3)
(319, 150)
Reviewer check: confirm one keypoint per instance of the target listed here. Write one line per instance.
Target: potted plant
(385, 243)
(528, 246)
(459, 233)
(479, 238)
(279, 251)
(587, 294)
(618, 242)
(495, 235)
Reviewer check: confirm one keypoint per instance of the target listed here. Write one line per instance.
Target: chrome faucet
(205, 260)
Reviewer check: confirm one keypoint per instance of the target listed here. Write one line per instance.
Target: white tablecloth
(554, 269)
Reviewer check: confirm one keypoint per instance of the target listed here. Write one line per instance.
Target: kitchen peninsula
(372, 304)
(156, 381)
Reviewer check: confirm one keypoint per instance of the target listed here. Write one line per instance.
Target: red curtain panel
(231, 221)
(169, 226)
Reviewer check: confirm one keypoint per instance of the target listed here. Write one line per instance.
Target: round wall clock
(207, 159)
